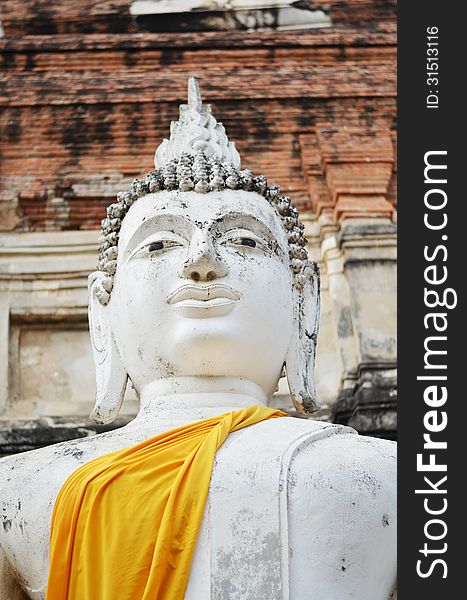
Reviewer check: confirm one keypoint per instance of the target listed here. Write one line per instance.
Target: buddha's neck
(176, 401)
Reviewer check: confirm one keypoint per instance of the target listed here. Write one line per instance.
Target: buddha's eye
(240, 240)
(244, 241)
(162, 245)
(153, 249)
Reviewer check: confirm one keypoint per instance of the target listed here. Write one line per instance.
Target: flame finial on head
(197, 130)
(194, 94)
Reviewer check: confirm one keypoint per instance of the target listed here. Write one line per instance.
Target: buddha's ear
(300, 358)
(111, 377)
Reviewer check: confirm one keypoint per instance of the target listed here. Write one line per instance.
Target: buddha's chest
(243, 549)
(239, 552)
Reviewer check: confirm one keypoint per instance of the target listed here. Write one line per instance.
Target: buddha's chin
(205, 337)
(219, 347)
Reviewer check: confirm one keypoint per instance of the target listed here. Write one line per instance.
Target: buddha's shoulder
(297, 435)
(313, 453)
(30, 482)
(331, 490)
(48, 467)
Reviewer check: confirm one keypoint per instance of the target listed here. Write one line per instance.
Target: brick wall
(81, 114)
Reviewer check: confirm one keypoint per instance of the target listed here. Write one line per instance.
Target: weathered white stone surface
(165, 6)
(251, 14)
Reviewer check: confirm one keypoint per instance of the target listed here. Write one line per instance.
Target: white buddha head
(203, 273)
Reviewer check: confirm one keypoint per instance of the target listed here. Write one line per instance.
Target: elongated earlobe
(111, 377)
(300, 359)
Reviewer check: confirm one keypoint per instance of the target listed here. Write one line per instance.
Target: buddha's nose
(202, 263)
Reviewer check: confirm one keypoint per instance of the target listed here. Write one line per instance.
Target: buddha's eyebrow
(243, 220)
(162, 221)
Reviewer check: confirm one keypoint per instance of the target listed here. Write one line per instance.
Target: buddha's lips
(203, 293)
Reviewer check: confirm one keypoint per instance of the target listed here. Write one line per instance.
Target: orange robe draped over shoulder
(124, 526)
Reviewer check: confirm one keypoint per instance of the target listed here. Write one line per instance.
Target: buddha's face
(203, 288)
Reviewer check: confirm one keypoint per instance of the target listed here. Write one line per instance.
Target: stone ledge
(366, 229)
(21, 435)
(69, 254)
(151, 15)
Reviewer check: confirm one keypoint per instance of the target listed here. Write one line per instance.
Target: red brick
(81, 114)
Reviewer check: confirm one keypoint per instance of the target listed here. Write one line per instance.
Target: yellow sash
(124, 526)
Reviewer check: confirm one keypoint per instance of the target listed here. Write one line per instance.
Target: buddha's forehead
(201, 210)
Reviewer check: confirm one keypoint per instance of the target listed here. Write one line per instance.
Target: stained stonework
(80, 117)
(222, 15)
(41, 17)
(366, 253)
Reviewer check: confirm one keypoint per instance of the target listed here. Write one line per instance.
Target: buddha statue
(204, 297)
